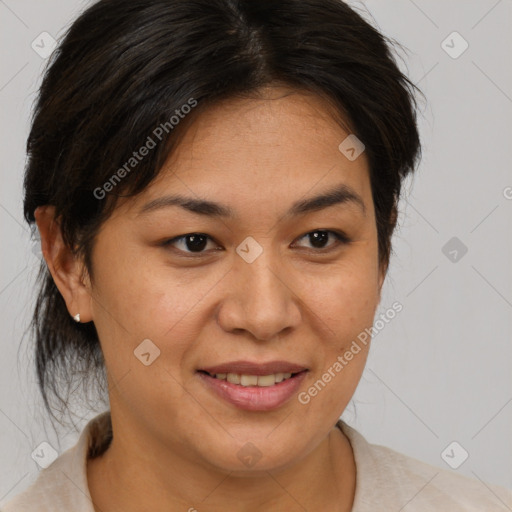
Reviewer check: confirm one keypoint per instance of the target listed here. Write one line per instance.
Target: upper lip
(250, 368)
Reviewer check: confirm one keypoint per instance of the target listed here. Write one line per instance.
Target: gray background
(440, 371)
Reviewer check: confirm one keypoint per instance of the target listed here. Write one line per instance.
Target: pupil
(319, 238)
(195, 242)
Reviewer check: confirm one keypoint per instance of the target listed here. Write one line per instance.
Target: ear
(384, 265)
(382, 275)
(68, 272)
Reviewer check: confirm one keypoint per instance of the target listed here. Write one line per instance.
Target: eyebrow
(341, 194)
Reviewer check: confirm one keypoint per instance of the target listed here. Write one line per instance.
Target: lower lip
(254, 398)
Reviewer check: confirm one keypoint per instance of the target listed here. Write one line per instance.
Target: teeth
(265, 380)
(253, 380)
(231, 377)
(249, 380)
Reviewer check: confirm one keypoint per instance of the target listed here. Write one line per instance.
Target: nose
(261, 299)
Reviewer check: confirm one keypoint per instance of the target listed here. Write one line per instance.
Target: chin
(250, 458)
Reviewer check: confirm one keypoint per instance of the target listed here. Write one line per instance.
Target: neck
(129, 477)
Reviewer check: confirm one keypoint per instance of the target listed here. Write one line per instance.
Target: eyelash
(341, 239)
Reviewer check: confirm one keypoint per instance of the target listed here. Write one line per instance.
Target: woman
(216, 185)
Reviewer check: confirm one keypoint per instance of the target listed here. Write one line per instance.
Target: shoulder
(391, 480)
(63, 484)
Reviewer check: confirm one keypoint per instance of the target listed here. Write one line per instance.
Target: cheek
(344, 296)
(142, 295)
(146, 299)
(345, 315)
(345, 305)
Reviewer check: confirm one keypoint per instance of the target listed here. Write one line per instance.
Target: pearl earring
(76, 318)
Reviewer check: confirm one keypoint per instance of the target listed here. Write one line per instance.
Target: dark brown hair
(125, 68)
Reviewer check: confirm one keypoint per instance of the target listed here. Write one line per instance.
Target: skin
(175, 442)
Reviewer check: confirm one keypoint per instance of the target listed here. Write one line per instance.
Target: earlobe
(64, 266)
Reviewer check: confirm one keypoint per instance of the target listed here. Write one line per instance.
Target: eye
(195, 243)
(189, 243)
(319, 239)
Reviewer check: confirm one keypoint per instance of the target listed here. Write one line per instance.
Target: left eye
(197, 242)
(319, 238)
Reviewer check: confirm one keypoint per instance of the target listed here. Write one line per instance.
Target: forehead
(275, 147)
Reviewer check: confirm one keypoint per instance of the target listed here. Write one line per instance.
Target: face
(263, 276)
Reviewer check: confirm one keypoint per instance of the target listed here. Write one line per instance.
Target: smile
(253, 392)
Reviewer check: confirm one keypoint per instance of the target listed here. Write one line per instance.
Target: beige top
(386, 480)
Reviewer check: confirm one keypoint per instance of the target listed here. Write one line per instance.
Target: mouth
(254, 387)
